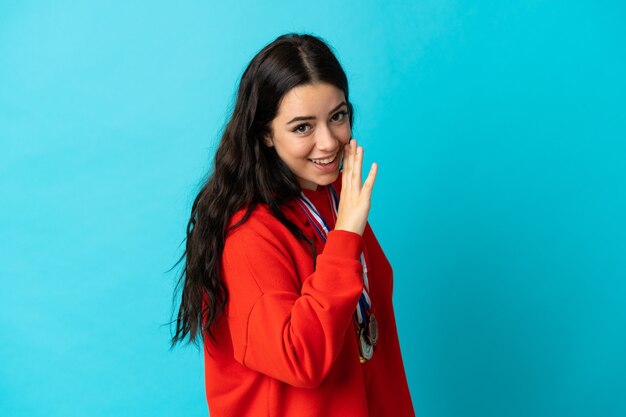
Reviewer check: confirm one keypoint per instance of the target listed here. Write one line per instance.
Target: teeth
(323, 161)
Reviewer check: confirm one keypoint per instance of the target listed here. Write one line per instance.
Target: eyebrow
(299, 118)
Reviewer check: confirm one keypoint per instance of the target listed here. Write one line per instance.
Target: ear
(268, 140)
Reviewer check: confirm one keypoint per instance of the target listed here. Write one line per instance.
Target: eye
(339, 116)
(301, 128)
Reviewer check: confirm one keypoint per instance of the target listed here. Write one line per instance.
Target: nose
(327, 141)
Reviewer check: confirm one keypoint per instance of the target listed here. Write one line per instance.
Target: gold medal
(372, 333)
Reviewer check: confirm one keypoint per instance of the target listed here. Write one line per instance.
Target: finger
(350, 164)
(344, 164)
(346, 167)
(369, 181)
(357, 170)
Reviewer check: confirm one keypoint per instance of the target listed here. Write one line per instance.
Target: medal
(372, 328)
(366, 350)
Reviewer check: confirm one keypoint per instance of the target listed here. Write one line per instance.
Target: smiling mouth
(326, 161)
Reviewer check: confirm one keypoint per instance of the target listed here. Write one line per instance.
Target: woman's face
(310, 131)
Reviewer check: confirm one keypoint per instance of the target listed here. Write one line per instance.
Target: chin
(329, 179)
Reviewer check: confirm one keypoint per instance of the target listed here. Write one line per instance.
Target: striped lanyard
(321, 227)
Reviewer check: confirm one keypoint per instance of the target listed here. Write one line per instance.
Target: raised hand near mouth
(354, 201)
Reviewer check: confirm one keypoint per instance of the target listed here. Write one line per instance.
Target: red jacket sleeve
(289, 331)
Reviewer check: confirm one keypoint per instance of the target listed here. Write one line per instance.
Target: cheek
(302, 151)
(344, 133)
(295, 151)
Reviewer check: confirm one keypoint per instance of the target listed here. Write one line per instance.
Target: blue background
(500, 132)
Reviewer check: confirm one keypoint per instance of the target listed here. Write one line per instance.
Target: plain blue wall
(500, 131)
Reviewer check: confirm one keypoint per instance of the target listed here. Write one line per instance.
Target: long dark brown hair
(246, 172)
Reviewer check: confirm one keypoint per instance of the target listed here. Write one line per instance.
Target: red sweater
(286, 345)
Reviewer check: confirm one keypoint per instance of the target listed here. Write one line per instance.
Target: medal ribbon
(321, 227)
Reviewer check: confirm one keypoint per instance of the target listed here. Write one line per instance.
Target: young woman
(284, 279)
